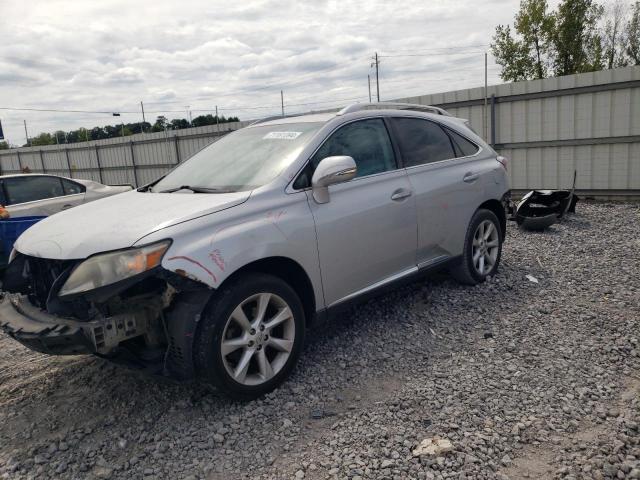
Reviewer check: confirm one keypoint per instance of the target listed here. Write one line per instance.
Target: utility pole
(377, 78)
(484, 110)
(369, 83)
(188, 113)
(217, 120)
(26, 134)
(144, 120)
(282, 101)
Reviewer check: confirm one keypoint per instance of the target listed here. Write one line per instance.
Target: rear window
(71, 188)
(422, 141)
(464, 147)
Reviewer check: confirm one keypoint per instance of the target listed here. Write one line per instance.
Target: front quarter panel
(209, 249)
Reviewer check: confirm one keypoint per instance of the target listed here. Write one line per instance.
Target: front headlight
(108, 268)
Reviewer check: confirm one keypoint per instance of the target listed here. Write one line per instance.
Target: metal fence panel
(548, 128)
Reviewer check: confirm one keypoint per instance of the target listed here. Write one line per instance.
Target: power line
(432, 54)
(451, 47)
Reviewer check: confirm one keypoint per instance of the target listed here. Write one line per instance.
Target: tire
(238, 353)
(469, 272)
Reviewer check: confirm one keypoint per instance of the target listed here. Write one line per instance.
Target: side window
(71, 188)
(464, 148)
(29, 189)
(367, 141)
(422, 141)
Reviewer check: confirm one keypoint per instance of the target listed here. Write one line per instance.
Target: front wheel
(251, 336)
(482, 249)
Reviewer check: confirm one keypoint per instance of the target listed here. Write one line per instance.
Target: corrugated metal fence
(548, 128)
(136, 159)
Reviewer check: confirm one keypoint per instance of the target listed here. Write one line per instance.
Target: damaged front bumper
(47, 333)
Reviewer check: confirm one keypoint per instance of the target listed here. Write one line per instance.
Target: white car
(34, 194)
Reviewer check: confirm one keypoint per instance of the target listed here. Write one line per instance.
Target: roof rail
(357, 107)
(276, 117)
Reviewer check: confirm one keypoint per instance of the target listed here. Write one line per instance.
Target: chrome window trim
(43, 200)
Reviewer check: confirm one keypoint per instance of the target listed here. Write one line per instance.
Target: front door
(367, 233)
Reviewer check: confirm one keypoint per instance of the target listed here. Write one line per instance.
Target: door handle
(68, 205)
(470, 177)
(400, 194)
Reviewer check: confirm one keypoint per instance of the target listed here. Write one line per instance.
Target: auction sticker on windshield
(282, 135)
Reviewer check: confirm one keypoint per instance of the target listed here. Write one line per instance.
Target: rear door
(445, 183)
(367, 232)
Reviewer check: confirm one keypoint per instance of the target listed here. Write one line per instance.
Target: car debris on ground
(539, 209)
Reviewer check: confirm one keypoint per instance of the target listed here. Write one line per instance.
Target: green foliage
(202, 120)
(632, 34)
(512, 55)
(43, 139)
(580, 36)
(536, 26)
(576, 42)
(4, 146)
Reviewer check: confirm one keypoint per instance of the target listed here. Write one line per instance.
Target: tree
(632, 34)
(613, 35)
(576, 43)
(179, 123)
(160, 124)
(535, 25)
(512, 55)
(43, 139)
(4, 146)
(524, 55)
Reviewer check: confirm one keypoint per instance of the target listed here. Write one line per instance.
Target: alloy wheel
(258, 339)
(485, 247)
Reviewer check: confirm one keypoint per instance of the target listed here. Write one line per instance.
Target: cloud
(108, 56)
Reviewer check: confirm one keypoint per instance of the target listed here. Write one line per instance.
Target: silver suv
(215, 270)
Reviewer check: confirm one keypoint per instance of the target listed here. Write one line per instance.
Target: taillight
(504, 161)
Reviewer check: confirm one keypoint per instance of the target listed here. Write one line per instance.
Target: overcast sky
(107, 56)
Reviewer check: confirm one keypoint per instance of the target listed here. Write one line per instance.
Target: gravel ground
(524, 379)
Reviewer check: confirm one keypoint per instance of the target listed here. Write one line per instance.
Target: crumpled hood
(117, 222)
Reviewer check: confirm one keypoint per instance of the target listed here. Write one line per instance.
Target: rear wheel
(251, 336)
(482, 249)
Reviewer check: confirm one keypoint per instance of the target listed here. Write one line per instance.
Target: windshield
(243, 160)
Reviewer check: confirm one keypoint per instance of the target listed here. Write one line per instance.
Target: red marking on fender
(274, 217)
(216, 256)
(195, 262)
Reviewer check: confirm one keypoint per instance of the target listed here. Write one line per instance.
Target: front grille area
(42, 273)
(35, 277)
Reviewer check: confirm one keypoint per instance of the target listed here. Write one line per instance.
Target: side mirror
(331, 170)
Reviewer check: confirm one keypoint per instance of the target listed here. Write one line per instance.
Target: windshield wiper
(193, 189)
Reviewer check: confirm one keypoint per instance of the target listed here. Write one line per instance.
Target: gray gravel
(523, 379)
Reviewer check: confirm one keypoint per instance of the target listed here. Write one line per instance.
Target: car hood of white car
(117, 222)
